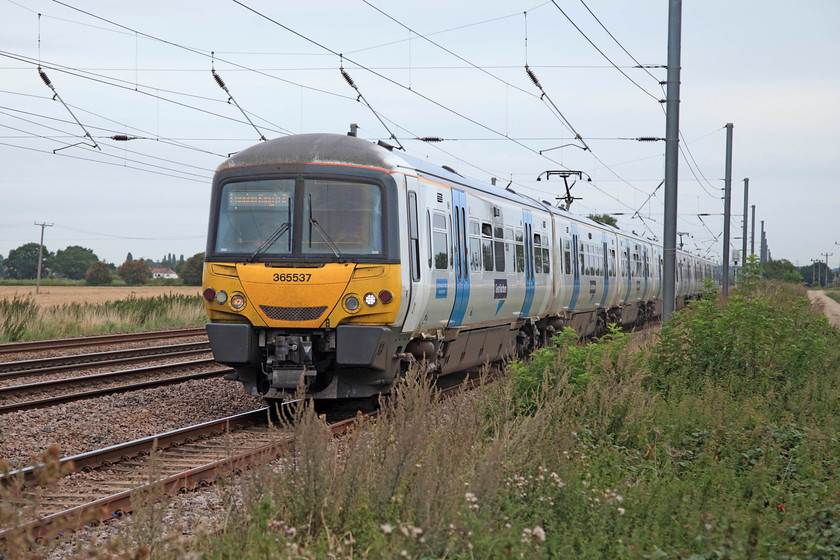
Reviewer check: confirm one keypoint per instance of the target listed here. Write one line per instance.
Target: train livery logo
(441, 286)
(499, 289)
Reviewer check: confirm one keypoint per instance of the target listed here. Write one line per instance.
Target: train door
(575, 268)
(529, 263)
(606, 271)
(461, 255)
(625, 255)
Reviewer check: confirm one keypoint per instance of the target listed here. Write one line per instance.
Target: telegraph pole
(672, 138)
(40, 254)
(752, 232)
(727, 210)
(744, 236)
(826, 255)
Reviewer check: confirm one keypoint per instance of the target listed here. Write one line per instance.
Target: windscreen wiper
(284, 227)
(330, 244)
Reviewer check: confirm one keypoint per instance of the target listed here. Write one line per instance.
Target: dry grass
(51, 296)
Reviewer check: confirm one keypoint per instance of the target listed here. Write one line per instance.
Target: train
(334, 264)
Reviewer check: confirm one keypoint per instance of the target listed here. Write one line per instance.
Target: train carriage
(334, 263)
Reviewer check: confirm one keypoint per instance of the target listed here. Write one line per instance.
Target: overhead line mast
(672, 144)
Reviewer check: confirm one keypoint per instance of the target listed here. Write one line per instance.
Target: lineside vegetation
(21, 318)
(716, 437)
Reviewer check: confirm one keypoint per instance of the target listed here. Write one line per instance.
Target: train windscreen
(346, 215)
(256, 216)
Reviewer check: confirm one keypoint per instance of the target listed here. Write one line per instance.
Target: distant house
(163, 273)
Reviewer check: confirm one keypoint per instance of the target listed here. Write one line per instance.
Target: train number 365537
(292, 277)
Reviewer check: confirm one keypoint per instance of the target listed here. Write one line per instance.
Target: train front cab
(302, 280)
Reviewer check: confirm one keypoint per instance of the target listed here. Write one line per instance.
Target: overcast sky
(454, 70)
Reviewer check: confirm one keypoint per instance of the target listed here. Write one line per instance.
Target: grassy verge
(715, 438)
(22, 319)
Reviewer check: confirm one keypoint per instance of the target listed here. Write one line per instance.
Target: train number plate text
(292, 277)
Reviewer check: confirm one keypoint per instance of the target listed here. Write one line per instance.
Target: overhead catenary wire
(222, 85)
(614, 65)
(48, 83)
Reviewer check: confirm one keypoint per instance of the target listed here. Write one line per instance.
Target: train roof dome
(314, 148)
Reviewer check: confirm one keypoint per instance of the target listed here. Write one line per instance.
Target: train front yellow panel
(305, 297)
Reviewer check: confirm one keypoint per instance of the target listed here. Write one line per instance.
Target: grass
(22, 319)
(715, 438)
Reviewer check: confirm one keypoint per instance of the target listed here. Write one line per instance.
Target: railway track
(101, 483)
(68, 387)
(39, 366)
(99, 340)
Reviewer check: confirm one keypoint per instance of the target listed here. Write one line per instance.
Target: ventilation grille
(293, 313)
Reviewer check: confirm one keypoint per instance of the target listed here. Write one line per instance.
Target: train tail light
(209, 294)
(386, 296)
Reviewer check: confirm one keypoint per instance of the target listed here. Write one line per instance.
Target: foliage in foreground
(622, 449)
(21, 318)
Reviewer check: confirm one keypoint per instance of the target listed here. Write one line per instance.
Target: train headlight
(351, 303)
(386, 296)
(221, 296)
(237, 301)
(370, 299)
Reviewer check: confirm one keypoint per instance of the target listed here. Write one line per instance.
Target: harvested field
(50, 296)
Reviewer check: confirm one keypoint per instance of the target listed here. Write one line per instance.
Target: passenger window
(509, 249)
(520, 252)
(429, 230)
(537, 255)
(499, 249)
(440, 241)
(475, 255)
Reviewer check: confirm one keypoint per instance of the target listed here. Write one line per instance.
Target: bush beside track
(716, 437)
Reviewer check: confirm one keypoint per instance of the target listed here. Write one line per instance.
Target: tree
(604, 219)
(73, 262)
(134, 272)
(23, 261)
(815, 273)
(192, 270)
(128, 257)
(98, 274)
(782, 270)
(2, 266)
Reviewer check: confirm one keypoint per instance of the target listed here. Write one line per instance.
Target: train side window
(429, 232)
(487, 246)
(537, 254)
(440, 241)
(475, 244)
(546, 261)
(499, 248)
(520, 252)
(567, 256)
(509, 249)
(414, 236)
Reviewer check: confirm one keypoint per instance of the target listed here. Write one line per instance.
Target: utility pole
(826, 255)
(752, 232)
(672, 138)
(744, 236)
(727, 195)
(40, 254)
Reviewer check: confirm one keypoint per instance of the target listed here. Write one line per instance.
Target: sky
(453, 70)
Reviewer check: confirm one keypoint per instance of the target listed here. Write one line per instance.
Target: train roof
(344, 149)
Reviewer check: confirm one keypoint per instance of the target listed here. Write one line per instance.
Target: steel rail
(21, 368)
(53, 343)
(24, 388)
(50, 401)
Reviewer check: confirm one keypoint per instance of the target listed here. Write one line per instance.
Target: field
(50, 296)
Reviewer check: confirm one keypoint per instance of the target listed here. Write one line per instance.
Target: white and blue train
(335, 263)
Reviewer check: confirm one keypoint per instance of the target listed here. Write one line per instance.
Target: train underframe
(357, 361)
